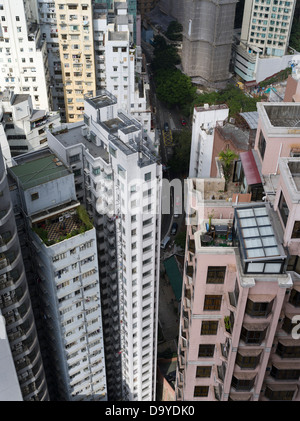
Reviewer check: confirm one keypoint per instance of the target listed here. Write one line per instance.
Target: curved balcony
(10, 301)
(5, 215)
(10, 282)
(33, 389)
(14, 320)
(28, 362)
(6, 240)
(22, 349)
(22, 332)
(8, 261)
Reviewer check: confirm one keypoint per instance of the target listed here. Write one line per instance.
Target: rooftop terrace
(62, 226)
(103, 98)
(44, 168)
(73, 136)
(285, 115)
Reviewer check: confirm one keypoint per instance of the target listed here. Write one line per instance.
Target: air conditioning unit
(84, 131)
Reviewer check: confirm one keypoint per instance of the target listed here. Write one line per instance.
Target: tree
(159, 44)
(232, 96)
(180, 161)
(174, 87)
(227, 157)
(167, 58)
(174, 31)
(180, 239)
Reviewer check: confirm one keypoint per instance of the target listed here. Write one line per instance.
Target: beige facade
(75, 31)
(267, 25)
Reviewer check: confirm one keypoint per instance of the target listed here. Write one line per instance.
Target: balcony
(217, 235)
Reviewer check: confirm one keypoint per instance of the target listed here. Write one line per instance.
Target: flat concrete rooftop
(284, 115)
(39, 170)
(74, 136)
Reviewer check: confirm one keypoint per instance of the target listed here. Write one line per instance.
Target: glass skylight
(258, 244)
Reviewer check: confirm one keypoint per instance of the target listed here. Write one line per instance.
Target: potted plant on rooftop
(227, 157)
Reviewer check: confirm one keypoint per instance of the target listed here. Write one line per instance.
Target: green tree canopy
(234, 97)
(159, 44)
(174, 87)
(167, 58)
(174, 31)
(180, 161)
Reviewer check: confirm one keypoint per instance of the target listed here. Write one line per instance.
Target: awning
(261, 298)
(286, 365)
(250, 168)
(240, 396)
(259, 327)
(249, 352)
(174, 276)
(243, 375)
(37, 115)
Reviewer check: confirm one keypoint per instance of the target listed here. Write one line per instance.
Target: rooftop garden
(55, 230)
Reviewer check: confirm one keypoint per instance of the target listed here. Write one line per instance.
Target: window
(215, 274)
(296, 230)
(287, 351)
(212, 302)
(201, 391)
(148, 176)
(247, 361)
(258, 309)
(295, 298)
(242, 383)
(206, 350)
(234, 296)
(283, 209)
(209, 327)
(203, 371)
(287, 324)
(96, 171)
(254, 336)
(274, 394)
(262, 145)
(284, 374)
(34, 196)
(74, 158)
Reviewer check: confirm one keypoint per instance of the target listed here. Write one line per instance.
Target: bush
(82, 214)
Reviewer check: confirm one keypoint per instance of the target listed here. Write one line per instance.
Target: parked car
(177, 208)
(174, 228)
(165, 242)
(166, 127)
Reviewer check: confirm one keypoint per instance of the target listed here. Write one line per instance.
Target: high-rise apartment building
(76, 49)
(118, 179)
(23, 53)
(207, 36)
(119, 67)
(24, 126)
(16, 307)
(265, 34)
(238, 333)
(61, 241)
(48, 26)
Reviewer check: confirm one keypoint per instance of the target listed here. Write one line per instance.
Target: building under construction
(207, 36)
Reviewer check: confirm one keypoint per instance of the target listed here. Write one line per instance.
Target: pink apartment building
(241, 285)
